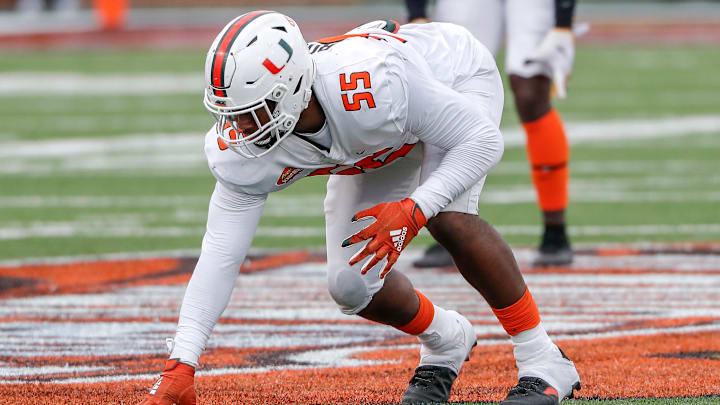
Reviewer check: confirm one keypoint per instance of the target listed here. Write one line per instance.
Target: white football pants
(525, 23)
(346, 195)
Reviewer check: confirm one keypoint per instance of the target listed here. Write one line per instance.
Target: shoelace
(524, 387)
(423, 378)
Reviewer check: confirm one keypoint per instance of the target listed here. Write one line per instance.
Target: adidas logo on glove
(398, 238)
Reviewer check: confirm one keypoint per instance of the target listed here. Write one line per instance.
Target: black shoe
(429, 385)
(434, 256)
(535, 391)
(554, 249)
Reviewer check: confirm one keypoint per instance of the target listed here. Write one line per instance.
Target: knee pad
(349, 291)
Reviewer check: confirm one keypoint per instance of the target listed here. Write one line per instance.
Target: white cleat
(556, 369)
(449, 347)
(441, 356)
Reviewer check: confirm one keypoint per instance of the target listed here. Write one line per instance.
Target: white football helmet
(259, 61)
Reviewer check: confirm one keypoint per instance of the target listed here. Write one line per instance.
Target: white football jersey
(362, 85)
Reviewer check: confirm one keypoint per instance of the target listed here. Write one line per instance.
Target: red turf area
(610, 368)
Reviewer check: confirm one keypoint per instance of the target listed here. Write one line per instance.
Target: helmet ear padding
(259, 57)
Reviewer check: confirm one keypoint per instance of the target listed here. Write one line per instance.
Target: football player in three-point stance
(404, 120)
(539, 53)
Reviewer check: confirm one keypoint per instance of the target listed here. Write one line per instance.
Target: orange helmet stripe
(221, 53)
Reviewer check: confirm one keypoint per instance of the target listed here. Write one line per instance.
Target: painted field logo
(613, 313)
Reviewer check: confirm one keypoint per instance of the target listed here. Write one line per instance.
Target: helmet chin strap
(306, 98)
(270, 141)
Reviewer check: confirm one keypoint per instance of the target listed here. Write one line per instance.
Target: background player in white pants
(405, 120)
(539, 50)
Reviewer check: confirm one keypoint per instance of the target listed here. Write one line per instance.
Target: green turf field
(89, 171)
(86, 171)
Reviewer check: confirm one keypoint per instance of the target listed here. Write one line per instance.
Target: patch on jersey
(288, 174)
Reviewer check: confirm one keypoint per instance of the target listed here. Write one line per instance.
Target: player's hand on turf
(175, 386)
(396, 224)
(557, 50)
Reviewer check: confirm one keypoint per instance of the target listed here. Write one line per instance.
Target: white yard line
(102, 201)
(75, 84)
(587, 195)
(139, 230)
(311, 206)
(614, 130)
(170, 144)
(611, 167)
(156, 144)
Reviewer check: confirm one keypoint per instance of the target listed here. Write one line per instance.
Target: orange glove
(175, 386)
(396, 224)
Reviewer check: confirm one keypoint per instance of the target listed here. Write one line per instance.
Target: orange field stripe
(222, 321)
(627, 367)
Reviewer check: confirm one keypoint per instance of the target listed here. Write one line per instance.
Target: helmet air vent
(297, 88)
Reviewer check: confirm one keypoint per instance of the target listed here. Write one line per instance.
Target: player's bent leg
(487, 263)
(446, 337)
(548, 153)
(481, 254)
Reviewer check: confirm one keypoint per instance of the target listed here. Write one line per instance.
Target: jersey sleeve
(237, 173)
(440, 116)
(232, 220)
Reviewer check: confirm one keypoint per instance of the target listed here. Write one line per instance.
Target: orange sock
(520, 316)
(422, 319)
(548, 153)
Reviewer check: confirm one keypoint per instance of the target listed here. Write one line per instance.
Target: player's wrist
(415, 211)
(176, 366)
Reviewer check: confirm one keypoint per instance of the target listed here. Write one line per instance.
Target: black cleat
(429, 385)
(554, 249)
(535, 391)
(434, 256)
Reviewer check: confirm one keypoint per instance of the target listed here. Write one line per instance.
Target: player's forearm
(564, 11)
(416, 9)
(206, 297)
(232, 220)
